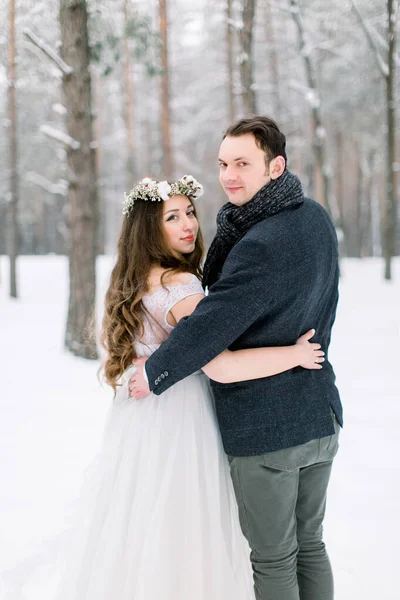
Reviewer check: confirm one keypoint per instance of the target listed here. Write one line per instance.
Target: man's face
(242, 168)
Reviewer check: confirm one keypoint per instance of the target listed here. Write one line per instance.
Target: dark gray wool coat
(278, 281)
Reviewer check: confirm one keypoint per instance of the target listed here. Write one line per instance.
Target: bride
(163, 521)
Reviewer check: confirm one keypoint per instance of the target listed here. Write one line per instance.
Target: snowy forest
(96, 95)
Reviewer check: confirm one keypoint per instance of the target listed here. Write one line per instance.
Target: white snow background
(53, 409)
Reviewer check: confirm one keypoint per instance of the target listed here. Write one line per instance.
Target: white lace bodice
(158, 305)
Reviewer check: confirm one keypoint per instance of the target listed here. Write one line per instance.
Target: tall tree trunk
(129, 104)
(376, 212)
(273, 60)
(82, 195)
(319, 133)
(147, 133)
(98, 103)
(246, 57)
(13, 232)
(368, 246)
(340, 191)
(358, 229)
(388, 70)
(167, 160)
(391, 178)
(229, 52)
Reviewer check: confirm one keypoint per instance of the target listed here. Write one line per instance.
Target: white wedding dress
(160, 519)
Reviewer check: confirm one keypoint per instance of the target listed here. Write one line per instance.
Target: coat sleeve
(243, 293)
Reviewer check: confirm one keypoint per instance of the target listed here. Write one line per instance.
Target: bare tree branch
(310, 94)
(61, 187)
(46, 48)
(382, 65)
(375, 35)
(60, 136)
(59, 108)
(237, 25)
(328, 46)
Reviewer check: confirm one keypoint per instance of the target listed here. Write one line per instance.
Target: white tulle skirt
(159, 519)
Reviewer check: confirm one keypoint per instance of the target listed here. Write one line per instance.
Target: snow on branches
(48, 50)
(375, 39)
(60, 136)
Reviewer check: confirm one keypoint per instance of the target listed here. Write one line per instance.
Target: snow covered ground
(53, 409)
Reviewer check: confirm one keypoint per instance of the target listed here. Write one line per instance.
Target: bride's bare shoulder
(170, 278)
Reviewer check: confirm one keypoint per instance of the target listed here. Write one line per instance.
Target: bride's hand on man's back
(310, 354)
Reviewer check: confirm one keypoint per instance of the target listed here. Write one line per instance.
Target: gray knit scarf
(234, 221)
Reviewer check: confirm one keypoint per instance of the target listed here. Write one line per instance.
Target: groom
(272, 274)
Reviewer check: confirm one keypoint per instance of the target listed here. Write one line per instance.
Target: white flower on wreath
(199, 191)
(164, 190)
(188, 179)
(196, 189)
(148, 182)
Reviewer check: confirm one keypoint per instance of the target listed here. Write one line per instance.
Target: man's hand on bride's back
(138, 385)
(310, 354)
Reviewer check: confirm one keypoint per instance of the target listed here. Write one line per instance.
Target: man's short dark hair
(267, 133)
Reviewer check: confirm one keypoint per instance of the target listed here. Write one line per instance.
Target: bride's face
(180, 224)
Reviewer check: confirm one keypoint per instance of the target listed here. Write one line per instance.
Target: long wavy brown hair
(141, 247)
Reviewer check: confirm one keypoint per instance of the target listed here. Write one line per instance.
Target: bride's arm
(255, 363)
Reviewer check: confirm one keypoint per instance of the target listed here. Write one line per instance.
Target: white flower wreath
(157, 191)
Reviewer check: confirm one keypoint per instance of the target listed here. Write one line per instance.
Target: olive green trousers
(281, 497)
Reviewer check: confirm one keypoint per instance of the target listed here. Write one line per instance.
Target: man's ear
(276, 167)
